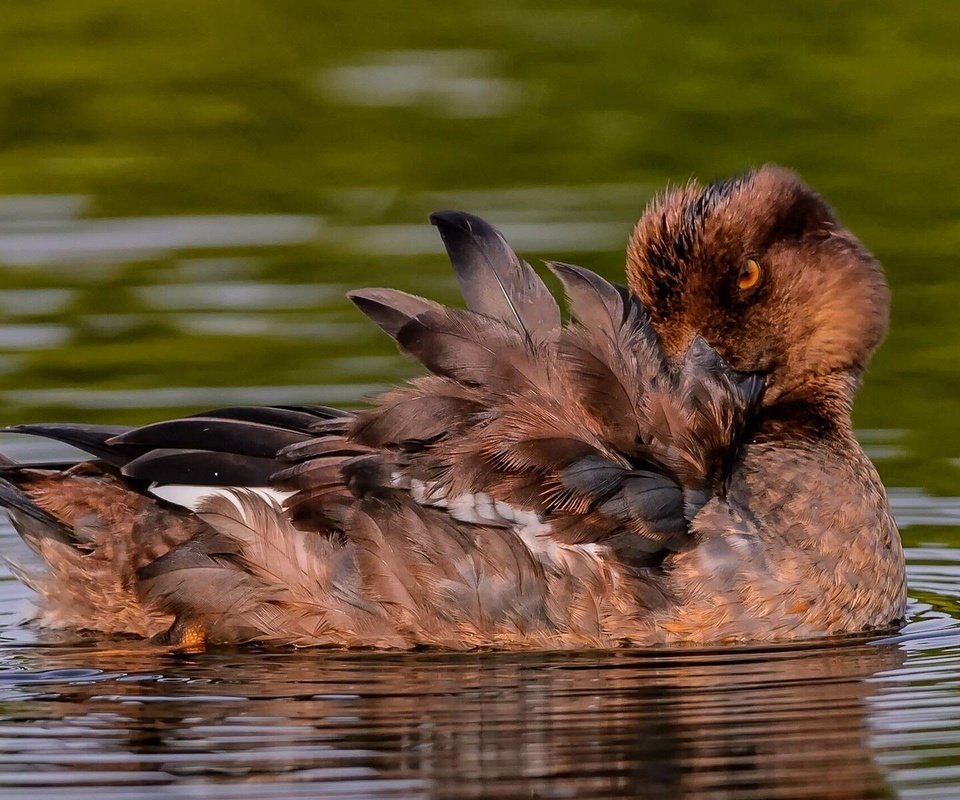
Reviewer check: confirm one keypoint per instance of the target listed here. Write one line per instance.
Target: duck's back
(534, 491)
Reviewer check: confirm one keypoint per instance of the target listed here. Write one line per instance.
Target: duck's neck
(815, 410)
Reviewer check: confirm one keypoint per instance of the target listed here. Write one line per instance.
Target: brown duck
(674, 465)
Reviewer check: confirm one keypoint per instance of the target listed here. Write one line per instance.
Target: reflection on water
(109, 239)
(454, 83)
(781, 724)
(183, 202)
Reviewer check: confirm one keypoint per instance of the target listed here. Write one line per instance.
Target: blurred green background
(187, 189)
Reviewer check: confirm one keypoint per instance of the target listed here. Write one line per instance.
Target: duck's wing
(584, 431)
(507, 498)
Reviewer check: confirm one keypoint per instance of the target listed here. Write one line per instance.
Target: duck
(671, 463)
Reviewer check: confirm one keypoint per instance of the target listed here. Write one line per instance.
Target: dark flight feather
(92, 439)
(493, 281)
(331, 445)
(293, 418)
(391, 309)
(208, 433)
(201, 468)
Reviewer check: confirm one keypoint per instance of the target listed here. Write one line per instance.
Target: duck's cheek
(749, 354)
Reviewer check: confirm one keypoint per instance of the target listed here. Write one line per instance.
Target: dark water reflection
(780, 724)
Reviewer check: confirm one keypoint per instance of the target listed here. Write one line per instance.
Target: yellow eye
(749, 276)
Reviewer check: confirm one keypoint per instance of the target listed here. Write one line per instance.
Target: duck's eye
(750, 274)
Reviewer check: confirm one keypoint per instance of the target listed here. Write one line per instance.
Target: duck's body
(602, 483)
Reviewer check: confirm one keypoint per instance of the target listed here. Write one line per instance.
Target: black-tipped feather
(293, 418)
(208, 433)
(93, 439)
(390, 309)
(493, 280)
(201, 468)
(321, 446)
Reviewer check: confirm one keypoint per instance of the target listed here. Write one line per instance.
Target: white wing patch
(190, 497)
(477, 508)
(480, 508)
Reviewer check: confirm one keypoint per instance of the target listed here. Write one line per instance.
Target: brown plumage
(673, 464)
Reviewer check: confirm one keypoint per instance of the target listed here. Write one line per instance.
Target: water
(184, 198)
(845, 720)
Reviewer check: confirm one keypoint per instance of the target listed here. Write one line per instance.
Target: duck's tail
(78, 520)
(170, 524)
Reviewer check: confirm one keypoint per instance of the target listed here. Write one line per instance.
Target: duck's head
(761, 268)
